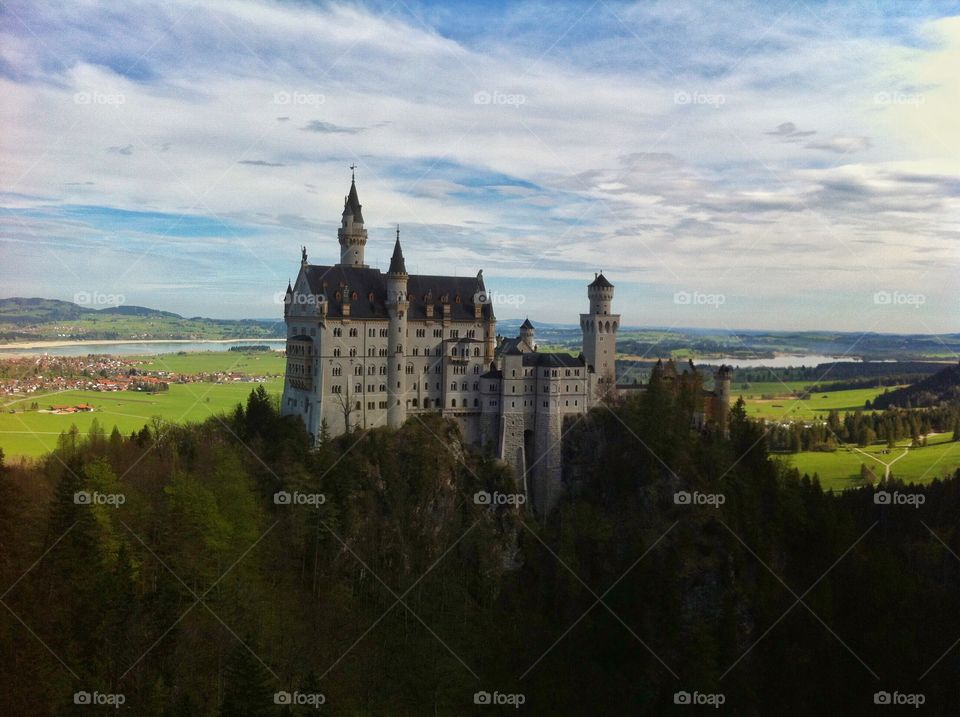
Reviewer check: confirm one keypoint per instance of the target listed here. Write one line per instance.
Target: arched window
(453, 403)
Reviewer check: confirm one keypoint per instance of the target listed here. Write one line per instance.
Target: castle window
(476, 387)
(370, 405)
(438, 333)
(353, 332)
(383, 370)
(371, 369)
(453, 386)
(414, 403)
(370, 299)
(357, 405)
(457, 299)
(336, 389)
(476, 351)
(358, 370)
(426, 403)
(338, 331)
(513, 404)
(476, 402)
(353, 351)
(546, 404)
(383, 387)
(371, 332)
(371, 351)
(338, 296)
(471, 334)
(476, 369)
(453, 403)
(353, 296)
(421, 333)
(416, 351)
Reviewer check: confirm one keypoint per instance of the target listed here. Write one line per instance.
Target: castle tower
(600, 333)
(397, 305)
(721, 387)
(526, 334)
(351, 234)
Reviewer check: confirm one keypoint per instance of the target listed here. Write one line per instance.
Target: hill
(36, 319)
(941, 387)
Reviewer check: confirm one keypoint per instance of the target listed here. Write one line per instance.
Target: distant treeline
(255, 347)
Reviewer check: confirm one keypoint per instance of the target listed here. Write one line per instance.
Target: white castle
(368, 349)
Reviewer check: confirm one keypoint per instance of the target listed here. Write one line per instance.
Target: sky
(732, 165)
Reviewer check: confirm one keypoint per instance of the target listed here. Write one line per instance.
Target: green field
(785, 406)
(249, 363)
(32, 433)
(841, 469)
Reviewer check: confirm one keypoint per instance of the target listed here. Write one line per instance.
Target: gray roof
(600, 281)
(397, 265)
(370, 287)
(351, 205)
(552, 360)
(526, 324)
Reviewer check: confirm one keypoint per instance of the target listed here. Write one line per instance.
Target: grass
(785, 406)
(841, 469)
(248, 363)
(31, 433)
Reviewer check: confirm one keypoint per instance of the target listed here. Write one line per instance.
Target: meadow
(32, 433)
(840, 469)
(785, 406)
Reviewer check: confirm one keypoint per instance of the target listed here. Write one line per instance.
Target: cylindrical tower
(397, 306)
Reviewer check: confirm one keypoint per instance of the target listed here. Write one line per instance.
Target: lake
(138, 348)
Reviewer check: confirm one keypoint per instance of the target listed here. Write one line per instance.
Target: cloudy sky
(780, 165)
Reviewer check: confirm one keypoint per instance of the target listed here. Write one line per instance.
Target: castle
(368, 349)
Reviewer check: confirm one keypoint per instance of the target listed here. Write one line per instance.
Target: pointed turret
(352, 235)
(397, 265)
(351, 204)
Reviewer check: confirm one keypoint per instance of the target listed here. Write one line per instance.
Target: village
(21, 377)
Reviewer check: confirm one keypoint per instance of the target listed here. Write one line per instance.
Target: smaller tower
(397, 305)
(600, 334)
(526, 335)
(721, 389)
(351, 234)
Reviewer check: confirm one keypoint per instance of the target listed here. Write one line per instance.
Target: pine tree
(247, 691)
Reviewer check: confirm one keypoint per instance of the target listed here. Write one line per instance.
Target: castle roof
(552, 360)
(600, 281)
(370, 287)
(526, 324)
(397, 265)
(351, 205)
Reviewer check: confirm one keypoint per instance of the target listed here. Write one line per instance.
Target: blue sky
(784, 163)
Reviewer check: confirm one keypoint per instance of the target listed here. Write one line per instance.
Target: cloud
(788, 131)
(126, 149)
(841, 145)
(330, 128)
(261, 163)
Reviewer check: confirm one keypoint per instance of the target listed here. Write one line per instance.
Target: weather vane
(352, 173)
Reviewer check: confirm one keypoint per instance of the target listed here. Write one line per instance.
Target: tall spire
(351, 204)
(397, 265)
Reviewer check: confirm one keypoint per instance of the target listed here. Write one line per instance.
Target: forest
(225, 568)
